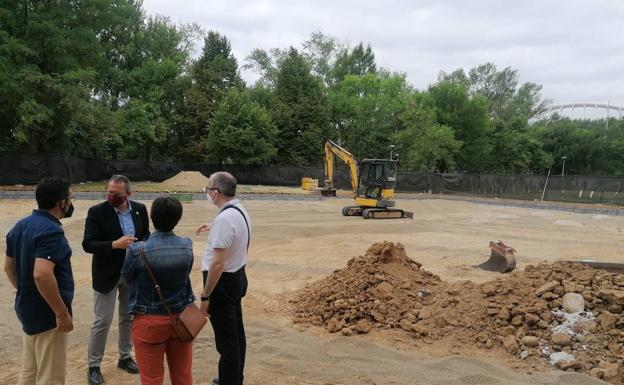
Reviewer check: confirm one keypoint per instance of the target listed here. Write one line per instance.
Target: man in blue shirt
(38, 265)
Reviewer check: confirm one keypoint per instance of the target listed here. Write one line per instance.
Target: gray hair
(225, 182)
(121, 179)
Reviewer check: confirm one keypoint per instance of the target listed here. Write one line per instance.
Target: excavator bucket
(502, 258)
(328, 192)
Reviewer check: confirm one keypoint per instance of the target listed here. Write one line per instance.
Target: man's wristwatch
(204, 298)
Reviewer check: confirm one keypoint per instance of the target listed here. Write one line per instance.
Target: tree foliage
(102, 79)
(242, 131)
(300, 111)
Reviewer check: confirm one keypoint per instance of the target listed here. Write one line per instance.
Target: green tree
(300, 112)
(467, 116)
(140, 127)
(365, 112)
(356, 61)
(423, 143)
(241, 132)
(213, 75)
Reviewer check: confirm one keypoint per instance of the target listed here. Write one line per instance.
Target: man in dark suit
(110, 228)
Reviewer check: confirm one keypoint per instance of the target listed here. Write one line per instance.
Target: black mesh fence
(29, 169)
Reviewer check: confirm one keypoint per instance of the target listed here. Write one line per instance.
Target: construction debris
(520, 314)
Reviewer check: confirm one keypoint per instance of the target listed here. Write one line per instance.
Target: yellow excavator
(372, 181)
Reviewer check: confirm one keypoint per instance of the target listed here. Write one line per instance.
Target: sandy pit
(299, 243)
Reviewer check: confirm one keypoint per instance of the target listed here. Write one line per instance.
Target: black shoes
(128, 365)
(95, 376)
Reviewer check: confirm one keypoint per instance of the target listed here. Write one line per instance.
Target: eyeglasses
(206, 189)
(116, 194)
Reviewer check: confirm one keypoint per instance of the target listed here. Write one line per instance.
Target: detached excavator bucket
(328, 192)
(502, 258)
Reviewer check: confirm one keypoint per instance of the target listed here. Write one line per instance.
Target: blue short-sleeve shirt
(39, 235)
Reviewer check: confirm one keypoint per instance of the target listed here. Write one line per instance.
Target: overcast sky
(574, 48)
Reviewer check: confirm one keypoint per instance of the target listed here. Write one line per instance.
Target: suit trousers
(104, 308)
(226, 317)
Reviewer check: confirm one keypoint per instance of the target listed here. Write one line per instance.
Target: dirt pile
(523, 314)
(186, 180)
(379, 289)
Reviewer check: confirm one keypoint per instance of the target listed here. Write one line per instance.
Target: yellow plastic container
(309, 183)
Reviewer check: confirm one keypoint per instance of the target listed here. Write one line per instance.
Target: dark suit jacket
(101, 229)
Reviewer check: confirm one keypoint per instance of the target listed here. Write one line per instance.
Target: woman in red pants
(171, 259)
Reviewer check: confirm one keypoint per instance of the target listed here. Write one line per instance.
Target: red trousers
(153, 337)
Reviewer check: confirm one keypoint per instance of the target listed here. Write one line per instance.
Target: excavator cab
(377, 177)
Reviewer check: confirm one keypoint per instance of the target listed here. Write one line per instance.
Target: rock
(606, 320)
(531, 319)
(605, 294)
(561, 339)
(573, 303)
(616, 309)
(517, 320)
(492, 310)
(406, 325)
(585, 277)
(363, 326)
(524, 354)
(614, 347)
(384, 290)
(565, 365)
(452, 292)
(334, 325)
(618, 297)
(377, 316)
(585, 327)
(424, 314)
(596, 372)
(530, 341)
(569, 286)
(542, 324)
(503, 315)
(587, 339)
(612, 372)
(510, 344)
(347, 331)
(489, 344)
(549, 286)
(550, 296)
(423, 331)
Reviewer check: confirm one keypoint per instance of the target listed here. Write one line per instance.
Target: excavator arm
(331, 151)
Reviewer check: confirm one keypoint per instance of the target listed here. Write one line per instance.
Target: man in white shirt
(225, 282)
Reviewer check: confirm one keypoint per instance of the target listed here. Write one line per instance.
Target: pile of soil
(188, 180)
(521, 313)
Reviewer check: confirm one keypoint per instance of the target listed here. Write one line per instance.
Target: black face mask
(69, 210)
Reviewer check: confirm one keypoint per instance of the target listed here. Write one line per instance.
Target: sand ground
(295, 243)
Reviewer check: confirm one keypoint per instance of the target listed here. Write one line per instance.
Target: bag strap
(244, 217)
(151, 274)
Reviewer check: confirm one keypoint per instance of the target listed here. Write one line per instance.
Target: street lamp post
(563, 158)
(392, 146)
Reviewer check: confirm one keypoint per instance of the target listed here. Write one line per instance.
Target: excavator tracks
(381, 213)
(352, 211)
(375, 212)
